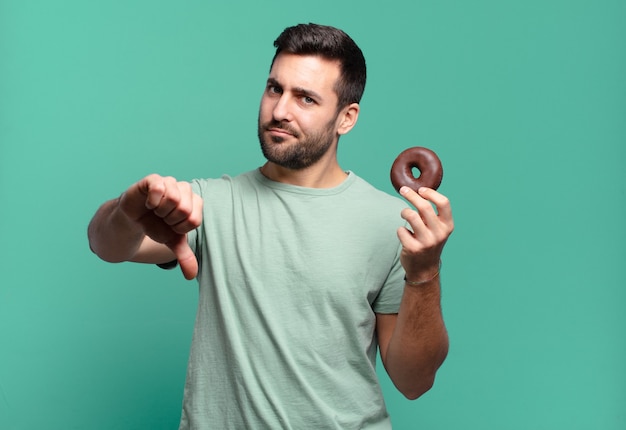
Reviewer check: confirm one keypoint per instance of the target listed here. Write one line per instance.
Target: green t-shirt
(290, 280)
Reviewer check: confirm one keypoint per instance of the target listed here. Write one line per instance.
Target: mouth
(279, 135)
(280, 130)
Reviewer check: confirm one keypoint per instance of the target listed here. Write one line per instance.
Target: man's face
(298, 118)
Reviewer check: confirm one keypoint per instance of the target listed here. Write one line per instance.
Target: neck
(320, 175)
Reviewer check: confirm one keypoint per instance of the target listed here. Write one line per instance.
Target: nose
(282, 109)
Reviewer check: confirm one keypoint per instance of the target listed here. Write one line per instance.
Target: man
(300, 270)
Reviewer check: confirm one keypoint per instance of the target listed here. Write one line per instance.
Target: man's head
(311, 97)
(331, 44)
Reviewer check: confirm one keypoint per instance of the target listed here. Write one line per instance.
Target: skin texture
(298, 115)
(414, 342)
(148, 223)
(299, 128)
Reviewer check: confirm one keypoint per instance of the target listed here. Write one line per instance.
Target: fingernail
(404, 190)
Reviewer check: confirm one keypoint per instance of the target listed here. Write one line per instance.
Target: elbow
(99, 246)
(413, 372)
(416, 391)
(421, 379)
(424, 382)
(91, 245)
(95, 249)
(102, 254)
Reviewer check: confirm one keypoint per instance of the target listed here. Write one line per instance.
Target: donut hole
(415, 172)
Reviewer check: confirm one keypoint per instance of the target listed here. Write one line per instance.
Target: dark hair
(332, 44)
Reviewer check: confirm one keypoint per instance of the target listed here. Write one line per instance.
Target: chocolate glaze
(429, 165)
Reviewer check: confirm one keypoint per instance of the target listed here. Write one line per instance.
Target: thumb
(185, 256)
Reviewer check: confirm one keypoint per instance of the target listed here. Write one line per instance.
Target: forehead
(305, 71)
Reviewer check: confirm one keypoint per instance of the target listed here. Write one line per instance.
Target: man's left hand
(431, 224)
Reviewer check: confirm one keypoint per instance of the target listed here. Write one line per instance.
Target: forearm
(112, 235)
(419, 342)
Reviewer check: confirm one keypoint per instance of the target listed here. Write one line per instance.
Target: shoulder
(223, 184)
(373, 197)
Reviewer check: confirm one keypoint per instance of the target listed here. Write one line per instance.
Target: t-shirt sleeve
(193, 237)
(390, 296)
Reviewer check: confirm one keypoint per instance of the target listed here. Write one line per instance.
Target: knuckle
(172, 198)
(195, 220)
(183, 212)
(196, 215)
(153, 177)
(410, 214)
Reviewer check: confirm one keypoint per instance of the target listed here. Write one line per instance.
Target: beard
(309, 149)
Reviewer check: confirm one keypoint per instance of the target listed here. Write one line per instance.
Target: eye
(307, 100)
(274, 89)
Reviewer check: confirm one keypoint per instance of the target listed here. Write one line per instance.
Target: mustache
(273, 124)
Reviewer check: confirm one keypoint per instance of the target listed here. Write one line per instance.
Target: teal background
(525, 102)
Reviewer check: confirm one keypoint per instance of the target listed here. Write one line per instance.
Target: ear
(347, 118)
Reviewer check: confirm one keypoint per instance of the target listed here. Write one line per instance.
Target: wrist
(421, 280)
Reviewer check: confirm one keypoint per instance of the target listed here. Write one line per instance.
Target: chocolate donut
(429, 165)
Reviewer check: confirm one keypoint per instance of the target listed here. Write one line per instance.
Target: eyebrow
(299, 90)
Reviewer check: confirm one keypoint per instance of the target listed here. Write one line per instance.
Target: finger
(423, 215)
(424, 199)
(185, 256)
(423, 206)
(166, 199)
(409, 194)
(193, 219)
(415, 220)
(424, 223)
(442, 204)
(419, 235)
(136, 200)
(153, 189)
(407, 238)
(184, 207)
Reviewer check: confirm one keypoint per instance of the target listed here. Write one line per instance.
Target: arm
(414, 342)
(149, 224)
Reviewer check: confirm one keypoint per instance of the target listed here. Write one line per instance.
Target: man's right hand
(166, 210)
